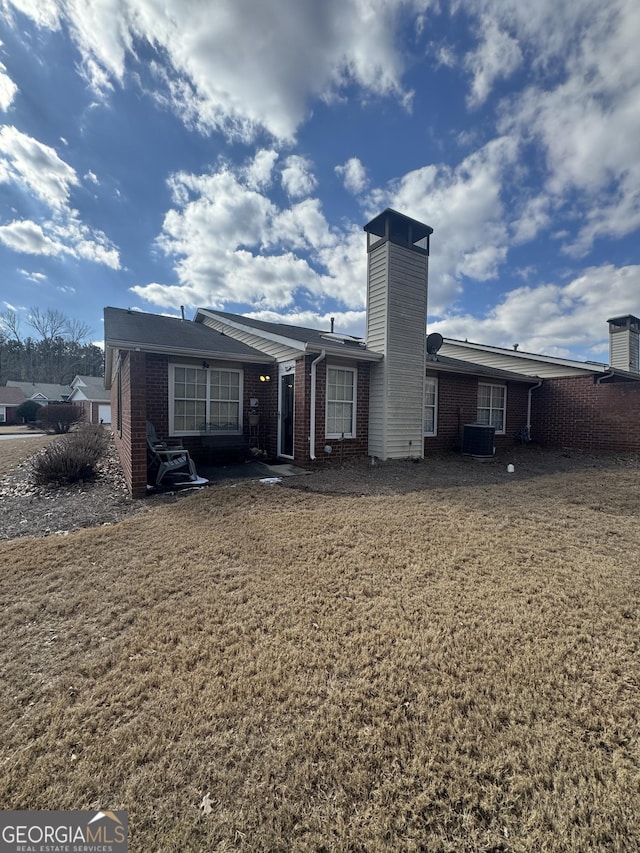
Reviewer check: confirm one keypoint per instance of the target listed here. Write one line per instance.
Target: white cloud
(37, 168)
(36, 277)
(497, 56)
(297, 178)
(92, 177)
(8, 88)
(553, 319)
(28, 237)
(464, 206)
(230, 243)
(354, 175)
(44, 12)
(27, 162)
(289, 53)
(259, 172)
(588, 120)
(53, 238)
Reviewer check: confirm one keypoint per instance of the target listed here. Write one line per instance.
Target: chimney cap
(624, 321)
(391, 224)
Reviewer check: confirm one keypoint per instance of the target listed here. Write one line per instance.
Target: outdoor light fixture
(205, 364)
(265, 378)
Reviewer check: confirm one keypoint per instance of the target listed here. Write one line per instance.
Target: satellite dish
(434, 342)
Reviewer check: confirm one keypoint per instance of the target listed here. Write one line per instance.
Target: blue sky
(226, 154)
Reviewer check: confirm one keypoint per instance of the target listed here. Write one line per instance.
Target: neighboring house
(579, 404)
(224, 382)
(89, 393)
(42, 392)
(10, 399)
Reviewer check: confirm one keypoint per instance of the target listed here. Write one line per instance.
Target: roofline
(189, 352)
(623, 374)
(112, 346)
(474, 369)
(260, 333)
(590, 367)
(361, 354)
(355, 354)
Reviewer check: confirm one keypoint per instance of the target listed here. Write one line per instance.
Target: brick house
(226, 383)
(10, 399)
(581, 405)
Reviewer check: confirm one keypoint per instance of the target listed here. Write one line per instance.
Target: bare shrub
(58, 418)
(91, 438)
(72, 459)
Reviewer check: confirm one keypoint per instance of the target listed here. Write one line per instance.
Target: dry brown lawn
(13, 451)
(453, 670)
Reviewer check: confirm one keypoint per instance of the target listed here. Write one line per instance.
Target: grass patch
(14, 451)
(452, 670)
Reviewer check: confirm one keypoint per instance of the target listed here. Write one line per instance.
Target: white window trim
(504, 416)
(433, 434)
(3, 414)
(353, 433)
(172, 386)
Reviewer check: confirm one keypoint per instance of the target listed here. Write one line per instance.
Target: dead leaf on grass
(205, 805)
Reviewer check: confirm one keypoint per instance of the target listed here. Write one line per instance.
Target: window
(430, 406)
(341, 402)
(3, 414)
(492, 406)
(224, 410)
(202, 398)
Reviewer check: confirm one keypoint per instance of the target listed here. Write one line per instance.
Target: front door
(286, 407)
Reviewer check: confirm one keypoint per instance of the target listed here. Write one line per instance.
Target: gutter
(533, 388)
(606, 375)
(312, 417)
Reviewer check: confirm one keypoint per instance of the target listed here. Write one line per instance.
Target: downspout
(533, 388)
(606, 375)
(312, 415)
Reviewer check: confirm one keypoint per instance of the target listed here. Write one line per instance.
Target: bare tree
(77, 331)
(49, 324)
(10, 324)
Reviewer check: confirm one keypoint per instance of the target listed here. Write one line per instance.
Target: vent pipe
(333, 319)
(182, 311)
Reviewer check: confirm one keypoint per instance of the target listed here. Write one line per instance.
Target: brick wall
(302, 409)
(157, 379)
(576, 413)
(131, 439)
(458, 405)
(265, 434)
(348, 448)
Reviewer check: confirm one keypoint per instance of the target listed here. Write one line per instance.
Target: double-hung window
(341, 402)
(205, 399)
(430, 406)
(492, 406)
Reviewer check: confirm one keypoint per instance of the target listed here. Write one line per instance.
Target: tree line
(53, 350)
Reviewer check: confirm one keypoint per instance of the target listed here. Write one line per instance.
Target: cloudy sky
(226, 154)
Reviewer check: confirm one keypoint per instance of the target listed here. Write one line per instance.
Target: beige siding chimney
(624, 343)
(398, 257)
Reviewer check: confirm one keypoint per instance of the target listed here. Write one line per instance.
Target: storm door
(286, 393)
